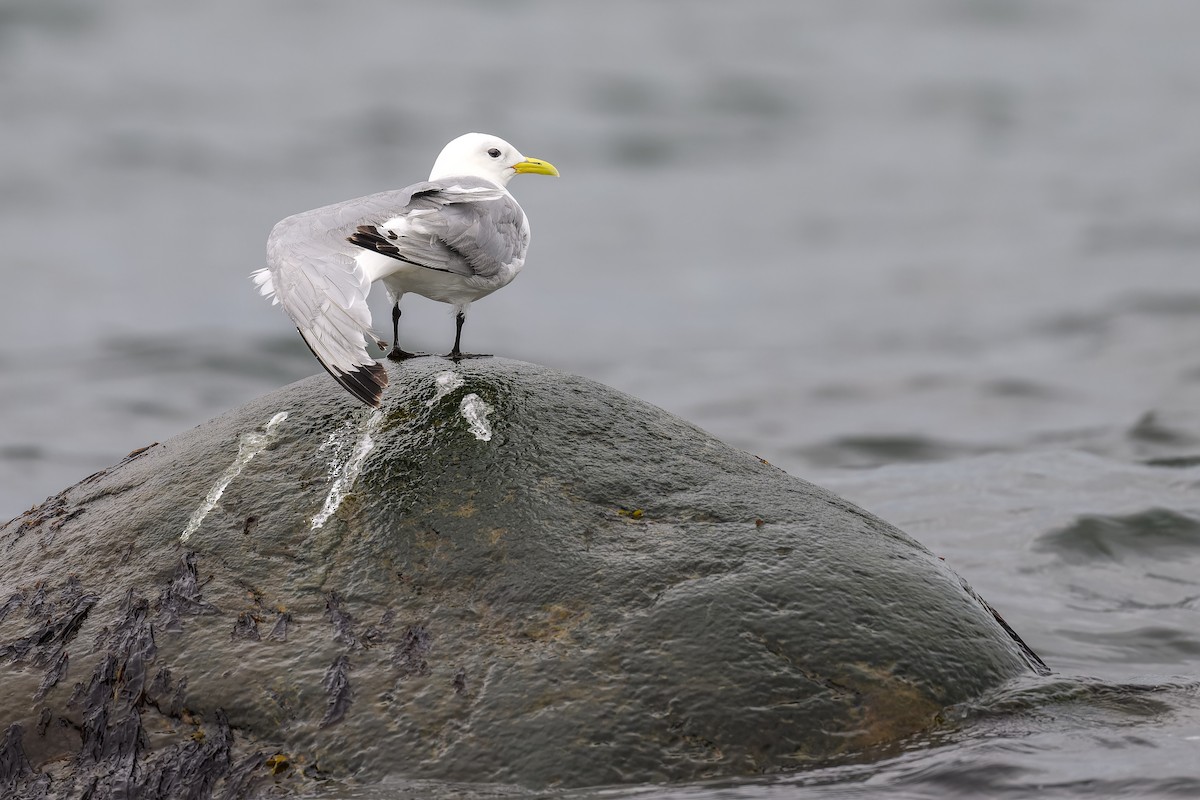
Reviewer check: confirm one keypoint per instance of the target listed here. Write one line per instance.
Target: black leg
(457, 354)
(397, 354)
(459, 319)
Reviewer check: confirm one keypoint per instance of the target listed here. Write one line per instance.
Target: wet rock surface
(507, 575)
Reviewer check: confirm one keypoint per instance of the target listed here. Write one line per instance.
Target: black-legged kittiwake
(455, 238)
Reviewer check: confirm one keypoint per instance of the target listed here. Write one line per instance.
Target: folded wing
(467, 226)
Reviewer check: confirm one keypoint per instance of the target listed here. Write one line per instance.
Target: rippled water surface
(941, 257)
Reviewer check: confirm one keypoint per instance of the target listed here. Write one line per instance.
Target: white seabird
(455, 238)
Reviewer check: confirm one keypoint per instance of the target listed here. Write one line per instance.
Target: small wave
(1174, 462)
(1141, 700)
(1156, 643)
(1155, 533)
(872, 451)
(1022, 389)
(1150, 428)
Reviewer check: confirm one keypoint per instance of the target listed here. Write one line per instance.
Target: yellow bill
(535, 166)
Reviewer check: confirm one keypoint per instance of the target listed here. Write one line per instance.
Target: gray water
(941, 257)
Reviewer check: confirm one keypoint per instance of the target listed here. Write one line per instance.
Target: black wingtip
(368, 237)
(366, 382)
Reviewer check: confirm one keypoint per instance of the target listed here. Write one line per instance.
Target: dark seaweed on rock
(246, 627)
(14, 766)
(165, 695)
(409, 656)
(192, 768)
(36, 602)
(279, 630)
(14, 601)
(118, 685)
(55, 673)
(243, 776)
(71, 591)
(182, 596)
(124, 742)
(53, 514)
(108, 732)
(44, 643)
(337, 691)
(343, 623)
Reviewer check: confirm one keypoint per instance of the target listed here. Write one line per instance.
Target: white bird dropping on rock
(446, 382)
(455, 238)
(474, 410)
(345, 473)
(249, 445)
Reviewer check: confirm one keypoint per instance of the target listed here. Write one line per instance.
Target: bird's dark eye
(494, 153)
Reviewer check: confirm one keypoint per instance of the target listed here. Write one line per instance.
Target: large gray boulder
(506, 575)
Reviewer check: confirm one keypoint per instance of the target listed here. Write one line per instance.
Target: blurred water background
(942, 257)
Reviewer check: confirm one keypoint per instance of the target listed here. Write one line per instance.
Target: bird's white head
(484, 156)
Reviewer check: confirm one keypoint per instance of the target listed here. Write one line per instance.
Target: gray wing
(312, 273)
(467, 226)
